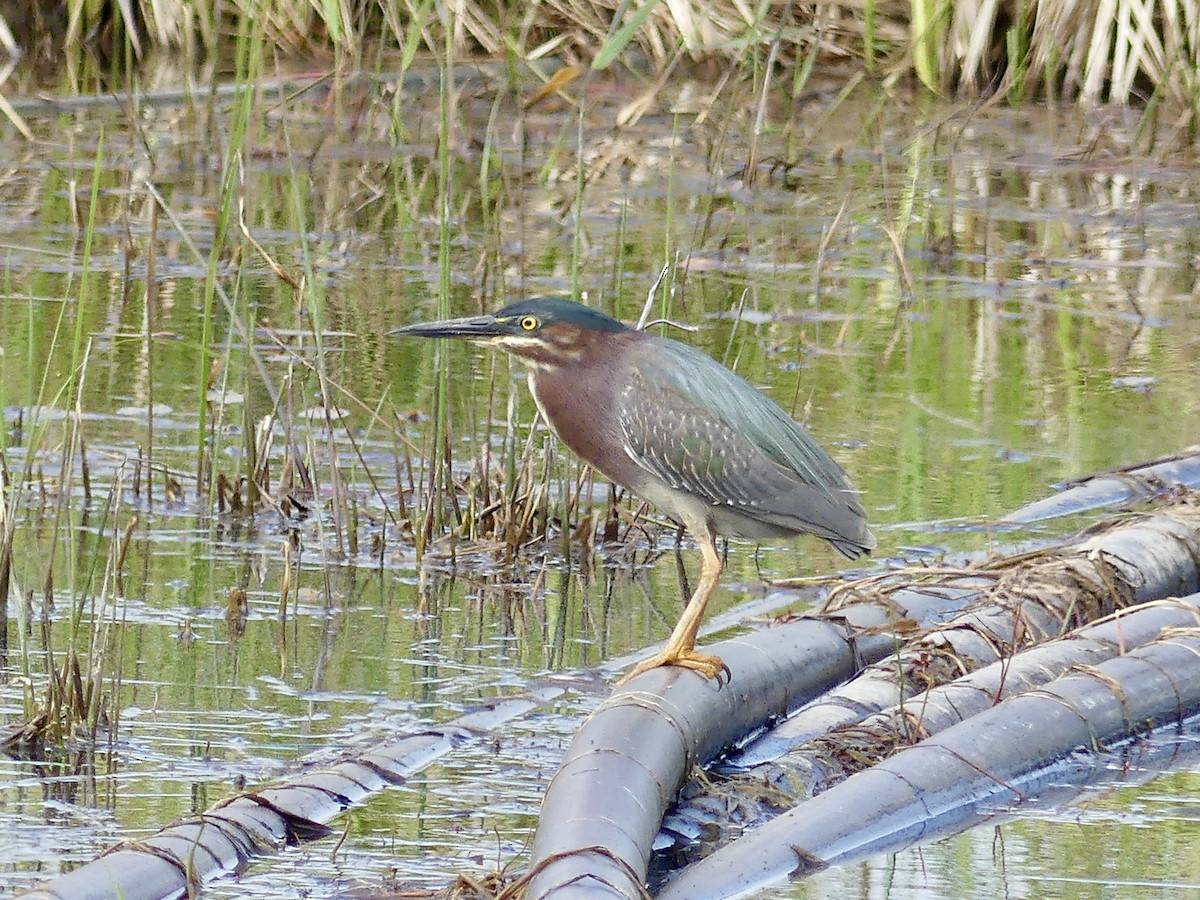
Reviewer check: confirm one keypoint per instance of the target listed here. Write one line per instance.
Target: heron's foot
(705, 663)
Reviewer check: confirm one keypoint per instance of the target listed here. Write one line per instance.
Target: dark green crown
(550, 310)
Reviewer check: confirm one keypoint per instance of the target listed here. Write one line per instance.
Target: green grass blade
(614, 46)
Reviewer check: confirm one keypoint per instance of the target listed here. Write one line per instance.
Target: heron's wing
(700, 428)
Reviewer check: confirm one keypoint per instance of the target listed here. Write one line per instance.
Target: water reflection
(964, 305)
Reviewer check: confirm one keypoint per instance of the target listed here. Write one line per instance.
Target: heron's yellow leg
(680, 649)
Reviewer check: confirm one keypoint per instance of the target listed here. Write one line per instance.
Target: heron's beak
(475, 328)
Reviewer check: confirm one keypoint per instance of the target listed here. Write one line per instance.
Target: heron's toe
(705, 663)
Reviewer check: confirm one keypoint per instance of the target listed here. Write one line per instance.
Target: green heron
(676, 428)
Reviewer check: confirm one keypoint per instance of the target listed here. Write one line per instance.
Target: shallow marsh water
(965, 306)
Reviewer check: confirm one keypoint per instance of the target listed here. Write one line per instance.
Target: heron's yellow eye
(529, 323)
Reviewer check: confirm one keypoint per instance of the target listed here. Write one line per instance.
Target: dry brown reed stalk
(7, 533)
(287, 590)
(74, 703)
(1121, 51)
(119, 567)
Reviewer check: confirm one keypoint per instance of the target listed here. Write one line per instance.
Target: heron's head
(546, 332)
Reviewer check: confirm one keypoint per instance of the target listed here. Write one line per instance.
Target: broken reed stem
(85, 476)
(284, 591)
(121, 554)
(149, 325)
(7, 532)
